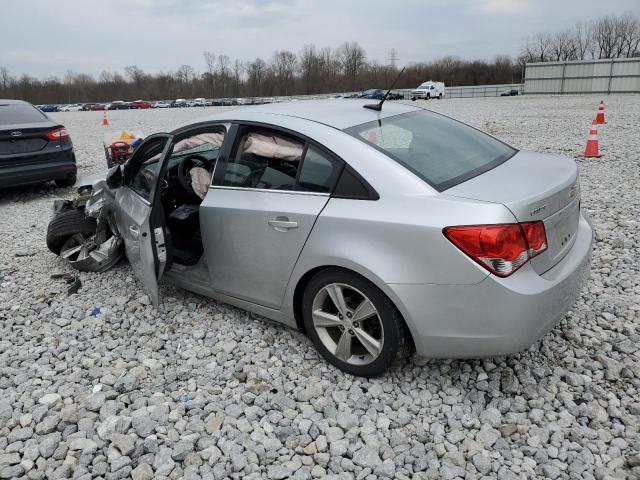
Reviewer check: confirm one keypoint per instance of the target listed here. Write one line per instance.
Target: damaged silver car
(376, 231)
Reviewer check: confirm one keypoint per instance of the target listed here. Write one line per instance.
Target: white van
(428, 90)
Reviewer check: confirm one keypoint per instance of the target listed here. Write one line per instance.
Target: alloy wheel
(76, 248)
(348, 324)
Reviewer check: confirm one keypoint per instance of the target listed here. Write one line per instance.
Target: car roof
(8, 101)
(337, 113)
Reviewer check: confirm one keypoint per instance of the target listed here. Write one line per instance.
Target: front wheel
(352, 323)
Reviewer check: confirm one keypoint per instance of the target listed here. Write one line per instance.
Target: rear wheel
(352, 323)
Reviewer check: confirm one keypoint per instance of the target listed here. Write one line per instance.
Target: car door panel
(134, 214)
(253, 238)
(144, 245)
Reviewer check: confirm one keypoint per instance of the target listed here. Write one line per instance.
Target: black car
(510, 93)
(119, 105)
(33, 147)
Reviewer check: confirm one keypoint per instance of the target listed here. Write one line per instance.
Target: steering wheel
(186, 164)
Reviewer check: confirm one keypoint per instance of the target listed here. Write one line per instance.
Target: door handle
(134, 230)
(282, 224)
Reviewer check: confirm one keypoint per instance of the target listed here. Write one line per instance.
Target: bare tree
(583, 40)
(256, 72)
(309, 62)
(562, 46)
(238, 70)
(352, 60)
(284, 64)
(210, 74)
(224, 69)
(630, 36)
(5, 78)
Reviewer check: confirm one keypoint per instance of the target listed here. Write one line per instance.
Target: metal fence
(450, 92)
(617, 75)
(474, 90)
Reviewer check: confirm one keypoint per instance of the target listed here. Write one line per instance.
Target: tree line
(315, 70)
(612, 36)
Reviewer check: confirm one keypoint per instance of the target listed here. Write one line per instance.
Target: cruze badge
(17, 133)
(538, 210)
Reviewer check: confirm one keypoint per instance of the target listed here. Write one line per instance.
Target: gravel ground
(200, 389)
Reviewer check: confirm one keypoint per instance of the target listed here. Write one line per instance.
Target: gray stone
(347, 420)
(181, 450)
(124, 443)
(367, 457)
(143, 425)
(94, 402)
(14, 471)
(49, 399)
(163, 463)
(9, 459)
(487, 435)
(277, 472)
(482, 462)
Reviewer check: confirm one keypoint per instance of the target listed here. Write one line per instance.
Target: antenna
(378, 106)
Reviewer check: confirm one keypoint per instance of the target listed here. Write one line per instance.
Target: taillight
(503, 248)
(58, 134)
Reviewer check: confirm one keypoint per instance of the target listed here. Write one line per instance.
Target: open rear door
(139, 213)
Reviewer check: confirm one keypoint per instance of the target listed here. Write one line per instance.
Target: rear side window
(317, 172)
(440, 150)
(11, 114)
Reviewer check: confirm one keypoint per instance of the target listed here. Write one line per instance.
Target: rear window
(440, 150)
(18, 113)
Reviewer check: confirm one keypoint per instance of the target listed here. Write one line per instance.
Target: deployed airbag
(200, 181)
(272, 146)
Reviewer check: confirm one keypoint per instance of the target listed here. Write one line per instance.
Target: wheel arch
(304, 279)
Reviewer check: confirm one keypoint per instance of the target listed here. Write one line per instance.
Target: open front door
(139, 216)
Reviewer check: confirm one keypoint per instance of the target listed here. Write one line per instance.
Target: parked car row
(377, 94)
(78, 107)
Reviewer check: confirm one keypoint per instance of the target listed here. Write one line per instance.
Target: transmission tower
(393, 58)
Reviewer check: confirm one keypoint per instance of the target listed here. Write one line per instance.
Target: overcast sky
(44, 37)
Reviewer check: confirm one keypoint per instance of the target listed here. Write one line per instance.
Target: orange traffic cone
(105, 119)
(600, 117)
(592, 150)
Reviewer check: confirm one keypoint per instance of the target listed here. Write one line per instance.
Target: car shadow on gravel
(27, 193)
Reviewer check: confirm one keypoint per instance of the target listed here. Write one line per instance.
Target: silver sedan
(376, 232)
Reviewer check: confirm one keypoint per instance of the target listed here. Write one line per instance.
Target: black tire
(65, 224)
(413, 99)
(396, 342)
(440, 97)
(66, 182)
(428, 96)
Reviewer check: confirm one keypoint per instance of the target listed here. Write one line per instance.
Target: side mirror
(114, 177)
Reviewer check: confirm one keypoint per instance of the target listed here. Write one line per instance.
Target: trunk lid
(534, 186)
(20, 138)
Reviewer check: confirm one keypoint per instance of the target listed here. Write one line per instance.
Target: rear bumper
(497, 316)
(58, 166)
